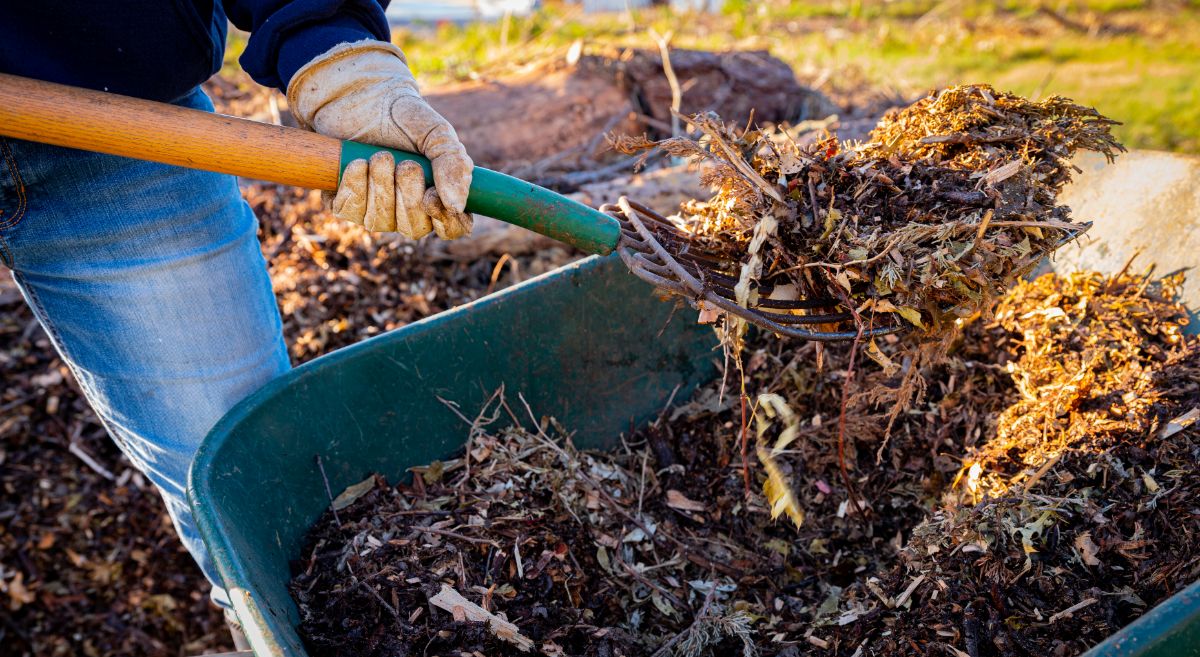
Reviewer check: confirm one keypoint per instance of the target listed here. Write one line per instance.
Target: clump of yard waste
(950, 201)
(1041, 496)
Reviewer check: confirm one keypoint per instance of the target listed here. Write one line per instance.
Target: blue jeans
(150, 283)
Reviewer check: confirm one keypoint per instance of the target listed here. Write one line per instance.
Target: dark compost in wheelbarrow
(1039, 498)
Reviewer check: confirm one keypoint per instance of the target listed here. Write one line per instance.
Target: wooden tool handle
(118, 125)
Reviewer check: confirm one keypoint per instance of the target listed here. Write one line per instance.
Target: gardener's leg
(150, 283)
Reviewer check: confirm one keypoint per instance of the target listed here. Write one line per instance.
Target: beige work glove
(363, 91)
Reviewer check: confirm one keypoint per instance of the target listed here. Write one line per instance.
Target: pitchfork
(654, 249)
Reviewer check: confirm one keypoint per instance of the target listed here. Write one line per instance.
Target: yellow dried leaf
(779, 494)
(876, 354)
(843, 279)
(912, 315)
(885, 306)
(773, 406)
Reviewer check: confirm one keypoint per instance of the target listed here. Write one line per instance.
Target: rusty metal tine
(662, 254)
(687, 276)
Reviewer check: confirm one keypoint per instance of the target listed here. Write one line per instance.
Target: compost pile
(946, 205)
(1040, 497)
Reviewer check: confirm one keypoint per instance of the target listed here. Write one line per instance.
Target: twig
(744, 168)
(851, 492)
(446, 532)
(642, 481)
(538, 425)
(328, 491)
(75, 449)
(16, 402)
(1041, 472)
(453, 409)
(664, 48)
(1066, 613)
(375, 594)
(516, 266)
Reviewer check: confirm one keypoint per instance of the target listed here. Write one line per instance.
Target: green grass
(1141, 69)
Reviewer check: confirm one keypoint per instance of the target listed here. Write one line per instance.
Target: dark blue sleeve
(286, 34)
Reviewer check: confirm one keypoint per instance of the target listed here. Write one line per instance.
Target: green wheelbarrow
(571, 351)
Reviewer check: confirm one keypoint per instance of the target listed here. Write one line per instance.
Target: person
(148, 278)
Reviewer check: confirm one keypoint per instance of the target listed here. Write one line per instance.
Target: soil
(1037, 499)
(548, 121)
(89, 561)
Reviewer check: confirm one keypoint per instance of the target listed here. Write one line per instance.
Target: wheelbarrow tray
(587, 344)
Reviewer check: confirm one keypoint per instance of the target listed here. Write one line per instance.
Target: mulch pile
(1039, 497)
(949, 202)
(89, 561)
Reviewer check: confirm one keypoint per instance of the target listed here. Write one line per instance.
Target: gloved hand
(364, 91)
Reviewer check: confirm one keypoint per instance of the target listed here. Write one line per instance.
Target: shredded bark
(950, 201)
(1037, 500)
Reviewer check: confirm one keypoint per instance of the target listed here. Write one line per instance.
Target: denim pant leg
(150, 283)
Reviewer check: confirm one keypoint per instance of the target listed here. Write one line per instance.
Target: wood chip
(452, 601)
(1180, 423)
(907, 593)
(679, 501)
(1066, 613)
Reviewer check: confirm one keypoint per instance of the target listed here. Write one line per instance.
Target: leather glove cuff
(341, 71)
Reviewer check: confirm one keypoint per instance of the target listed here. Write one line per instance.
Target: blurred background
(1135, 60)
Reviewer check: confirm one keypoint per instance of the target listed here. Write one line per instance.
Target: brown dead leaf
(18, 594)
(679, 501)
(1087, 549)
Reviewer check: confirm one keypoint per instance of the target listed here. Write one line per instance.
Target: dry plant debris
(89, 562)
(1040, 497)
(946, 205)
(338, 284)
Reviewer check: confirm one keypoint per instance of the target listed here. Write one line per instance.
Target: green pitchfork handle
(118, 125)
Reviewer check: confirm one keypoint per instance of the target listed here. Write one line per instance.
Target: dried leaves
(947, 204)
(87, 551)
(1059, 529)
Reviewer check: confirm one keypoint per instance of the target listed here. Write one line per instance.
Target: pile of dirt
(951, 200)
(546, 121)
(1079, 512)
(1041, 497)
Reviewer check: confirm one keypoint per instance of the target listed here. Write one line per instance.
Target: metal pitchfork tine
(689, 274)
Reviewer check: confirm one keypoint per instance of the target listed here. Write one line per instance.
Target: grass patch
(1137, 65)
(1131, 59)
